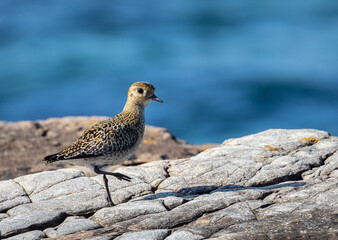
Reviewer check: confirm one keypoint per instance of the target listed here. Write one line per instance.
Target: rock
(159, 234)
(66, 188)
(31, 220)
(32, 235)
(189, 211)
(99, 238)
(184, 234)
(308, 225)
(171, 202)
(277, 184)
(35, 183)
(3, 216)
(152, 173)
(81, 194)
(122, 191)
(71, 225)
(126, 211)
(249, 161)
(24, 144)
(77, 203)
(11, 195)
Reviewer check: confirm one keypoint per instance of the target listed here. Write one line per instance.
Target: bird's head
(141, 93)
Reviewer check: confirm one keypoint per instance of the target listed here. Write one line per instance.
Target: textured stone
(37, 182)
(30, 220)
(82, 202)
(11, 195)
(305, 225)
(159, 234)
(329, 169)
(99, 238)
(278, 184)
(238, 212)
(66, 188)
(122, 191)
(32, 235)
(261, 159)
(71, 225)
(3, 216)
(172, 202)
(184, 234)
(152, 173)
(184, 213)
(126, 211)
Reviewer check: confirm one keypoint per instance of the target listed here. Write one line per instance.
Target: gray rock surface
(37, 182)
(32, 235)
(71, 225)
(11, 195)
(158, 234)
(125, 211)
(277, 184)
(3, 216)
(184, 234)
(30, 220)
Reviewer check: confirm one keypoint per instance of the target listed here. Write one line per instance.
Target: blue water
(224, 68)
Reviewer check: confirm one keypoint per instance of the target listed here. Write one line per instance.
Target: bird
(113, 140)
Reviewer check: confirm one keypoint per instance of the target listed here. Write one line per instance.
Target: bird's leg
(105, 180)
(119, 176)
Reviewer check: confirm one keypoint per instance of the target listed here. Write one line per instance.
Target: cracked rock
(126, 211)
(76, 203)
(184, 234)
(159, 234)
(11, 195)
(277, 184)
(3, 216)
(122, 191)
(32, 235)
(31, 220)
(37, 182)
(71, 225)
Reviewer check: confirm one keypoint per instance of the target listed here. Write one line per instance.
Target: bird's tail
(50, 158)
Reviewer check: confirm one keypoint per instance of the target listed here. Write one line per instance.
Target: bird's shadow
(192, 192)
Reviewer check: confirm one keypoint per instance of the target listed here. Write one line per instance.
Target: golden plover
(111, 141)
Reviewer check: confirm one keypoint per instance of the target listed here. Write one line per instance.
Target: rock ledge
(275, 184)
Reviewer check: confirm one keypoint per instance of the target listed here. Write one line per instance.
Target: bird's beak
(155, 98)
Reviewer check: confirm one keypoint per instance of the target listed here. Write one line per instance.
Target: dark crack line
(327, 156)
(169, 233)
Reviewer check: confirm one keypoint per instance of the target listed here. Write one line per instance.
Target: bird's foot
(110, 203)
(121, 176)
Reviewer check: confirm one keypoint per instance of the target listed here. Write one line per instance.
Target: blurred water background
(224, 68)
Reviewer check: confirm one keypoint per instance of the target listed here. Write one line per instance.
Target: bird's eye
(140, 90)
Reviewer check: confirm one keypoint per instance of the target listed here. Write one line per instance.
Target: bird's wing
(101, 139)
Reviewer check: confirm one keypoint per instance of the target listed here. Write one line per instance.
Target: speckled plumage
(109, 142)
(114, 140)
